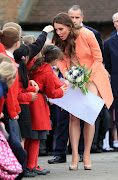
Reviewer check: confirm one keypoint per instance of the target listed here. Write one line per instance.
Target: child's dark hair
(49, 54)
(19, 56)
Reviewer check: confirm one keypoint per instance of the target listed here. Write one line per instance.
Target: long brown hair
(63, 18)
(9, 36)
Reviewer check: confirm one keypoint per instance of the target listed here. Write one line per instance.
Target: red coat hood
(2, 48)
(44, 68)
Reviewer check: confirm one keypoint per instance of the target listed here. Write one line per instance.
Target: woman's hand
(48, 28)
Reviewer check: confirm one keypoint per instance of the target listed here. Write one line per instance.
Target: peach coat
(88, 53)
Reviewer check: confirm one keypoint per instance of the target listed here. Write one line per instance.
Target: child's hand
(33, 83)
(16, 117)
(3, 130)
(1, 115)
(19, 112)
(65, 89)
(37, 89)
(34, 96)
(67, 82)
(48, 28)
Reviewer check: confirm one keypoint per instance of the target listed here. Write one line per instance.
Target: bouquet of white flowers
(78, 76)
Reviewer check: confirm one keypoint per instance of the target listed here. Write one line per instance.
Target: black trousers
(116, 112)
(62, 133)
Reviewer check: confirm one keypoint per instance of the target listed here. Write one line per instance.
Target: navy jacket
(36, 47)
(3, 89)
(111, 61)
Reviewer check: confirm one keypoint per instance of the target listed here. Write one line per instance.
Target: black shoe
(43, 153)
(81, 157)
(99, 150)
(93, 149)
(115, 149)
(29, 173)
(50, 153)
(57, 159)
(41, 171)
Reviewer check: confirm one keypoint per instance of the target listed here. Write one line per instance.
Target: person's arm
(96, 54)
(36, 47)
(24, 95)
(107, 60)
(1, 91)
(98, 37)
(62, 66)
(50, 87)
(10, 104)
(58, 82)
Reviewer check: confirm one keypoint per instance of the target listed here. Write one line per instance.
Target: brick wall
(9, 10)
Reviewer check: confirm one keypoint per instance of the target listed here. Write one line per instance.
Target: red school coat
(24, 95)
(50, 84)
(11, 100)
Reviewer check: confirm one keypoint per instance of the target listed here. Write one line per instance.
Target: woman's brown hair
(63, 18)
(9, 36)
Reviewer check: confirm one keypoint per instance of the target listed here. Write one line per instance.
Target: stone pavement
(104, 167)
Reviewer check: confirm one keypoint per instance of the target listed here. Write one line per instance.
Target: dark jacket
(111, 61)
(36, 47)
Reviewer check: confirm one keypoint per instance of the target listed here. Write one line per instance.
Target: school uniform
(24, 98)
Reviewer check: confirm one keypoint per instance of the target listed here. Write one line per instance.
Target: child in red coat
(8, 74)
(10, 40)
(50, 86)
(26, 92)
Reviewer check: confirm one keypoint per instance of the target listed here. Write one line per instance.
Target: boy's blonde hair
(7, 69)
(5, 58)
(15, 25)
(28, 39)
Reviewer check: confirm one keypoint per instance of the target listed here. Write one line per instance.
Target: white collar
(117, 33)
(17, 65)
(10, 54)
(81, 24)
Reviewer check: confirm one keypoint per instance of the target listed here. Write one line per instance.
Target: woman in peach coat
(80, 46)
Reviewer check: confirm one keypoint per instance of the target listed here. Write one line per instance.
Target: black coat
(36, 47)
(111, 61)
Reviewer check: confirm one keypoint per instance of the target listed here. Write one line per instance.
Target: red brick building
(9, 10)
(35, 14)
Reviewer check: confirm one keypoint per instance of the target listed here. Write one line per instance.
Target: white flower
(73, 68)
(79, 78)
(75, 72)
(70, 78)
